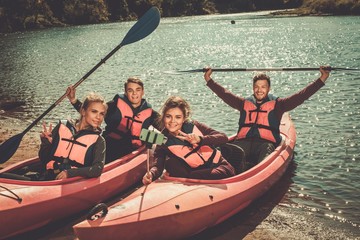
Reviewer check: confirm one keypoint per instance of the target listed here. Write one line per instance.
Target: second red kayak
(176, 208)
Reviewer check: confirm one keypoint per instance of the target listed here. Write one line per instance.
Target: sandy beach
(269, 218)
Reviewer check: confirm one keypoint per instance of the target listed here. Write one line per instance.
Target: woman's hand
(46, 133)
(191, 137)
(147, 179)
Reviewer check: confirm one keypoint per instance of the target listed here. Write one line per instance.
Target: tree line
(20, 15)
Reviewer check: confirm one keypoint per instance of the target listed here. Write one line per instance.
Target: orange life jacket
(72, 150)
(259, 121)
(124, 122)
(194, 155)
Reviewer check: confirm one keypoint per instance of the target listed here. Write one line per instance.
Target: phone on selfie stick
(151, 137)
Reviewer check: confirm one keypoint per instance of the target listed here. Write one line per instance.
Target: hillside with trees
(21, 15)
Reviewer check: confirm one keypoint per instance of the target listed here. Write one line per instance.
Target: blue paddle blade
(143, 27)
(9, 147)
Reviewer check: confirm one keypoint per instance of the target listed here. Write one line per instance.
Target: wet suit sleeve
(289, 103)
(211, 137)
(159, 161)
(97, 166)
(154, 120)
(77, 105)
(111, 107)
(228, 97)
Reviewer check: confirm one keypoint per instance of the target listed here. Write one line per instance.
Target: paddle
(142, 28)
(259, 69)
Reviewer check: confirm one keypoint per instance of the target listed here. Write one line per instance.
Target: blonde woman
(76, 148)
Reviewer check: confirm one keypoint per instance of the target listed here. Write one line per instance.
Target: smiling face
(93, 115)
(134, 93)
(173, 120)
(261, 89)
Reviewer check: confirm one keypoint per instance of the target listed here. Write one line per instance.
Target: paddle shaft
(263, 69)
(102, 61)
(148, 160)
(280, 69)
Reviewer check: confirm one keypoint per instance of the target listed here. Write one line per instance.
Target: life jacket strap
(260, 126)
(74, 142)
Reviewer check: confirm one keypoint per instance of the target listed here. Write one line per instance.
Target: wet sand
(270, 217)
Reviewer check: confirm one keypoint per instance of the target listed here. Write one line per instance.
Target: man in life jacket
(260, 114)
(128, 113)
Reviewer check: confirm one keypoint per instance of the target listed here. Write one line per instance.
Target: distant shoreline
(300, 12)
(42, 15)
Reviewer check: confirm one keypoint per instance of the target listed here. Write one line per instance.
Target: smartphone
(150, 136)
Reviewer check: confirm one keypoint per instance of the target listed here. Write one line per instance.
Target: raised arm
(71, 95)
(289, 103)
(211, 136)
(228, 97)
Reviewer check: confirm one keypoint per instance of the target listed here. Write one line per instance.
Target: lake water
(37, 66)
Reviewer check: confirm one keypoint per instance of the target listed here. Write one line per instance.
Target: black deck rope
(15, 197)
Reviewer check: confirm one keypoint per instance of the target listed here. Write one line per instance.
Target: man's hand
(70, 93)
(208, 72)
(325, 72)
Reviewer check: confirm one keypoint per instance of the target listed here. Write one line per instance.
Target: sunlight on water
(38, 66)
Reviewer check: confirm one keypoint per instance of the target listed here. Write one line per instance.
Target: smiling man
(128, 113)
(260, 114)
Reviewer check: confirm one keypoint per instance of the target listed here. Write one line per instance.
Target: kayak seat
(235, 155)
(14, 176)
(22, 174)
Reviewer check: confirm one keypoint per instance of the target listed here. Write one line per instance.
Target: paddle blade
(9, 147)
(143, 27)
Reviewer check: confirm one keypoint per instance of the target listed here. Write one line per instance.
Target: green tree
(118, 10)
(85, 11)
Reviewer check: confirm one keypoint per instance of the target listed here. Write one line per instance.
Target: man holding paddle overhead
(260, 114)
(128, 113)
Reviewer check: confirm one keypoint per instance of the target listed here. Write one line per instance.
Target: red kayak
(176, 208)
(26, 205)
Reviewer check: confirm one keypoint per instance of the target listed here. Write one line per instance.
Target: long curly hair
(174, 102)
